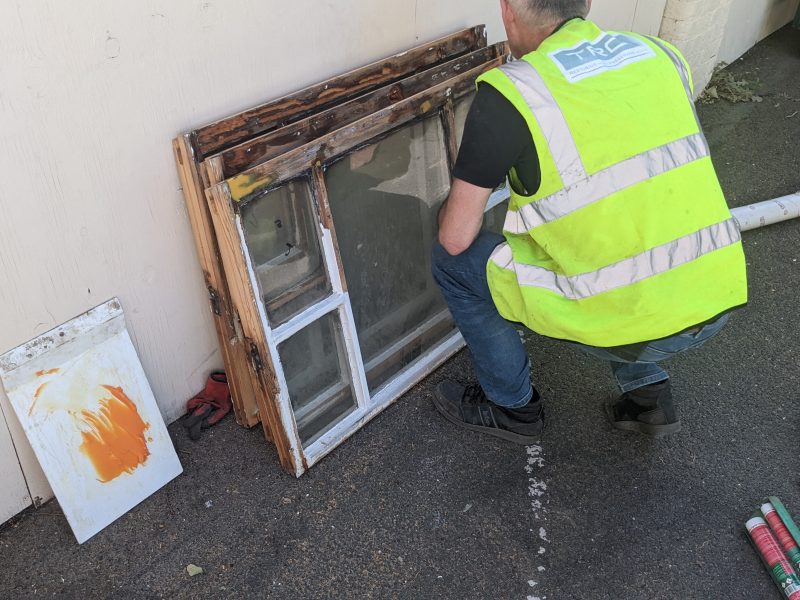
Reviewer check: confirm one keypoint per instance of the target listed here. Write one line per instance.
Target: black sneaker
(469, 407)
(648, 410)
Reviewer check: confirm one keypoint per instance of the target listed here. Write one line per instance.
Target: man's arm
(496, 138)
(461, 217)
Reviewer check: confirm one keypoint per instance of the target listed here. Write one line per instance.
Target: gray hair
(550, 12)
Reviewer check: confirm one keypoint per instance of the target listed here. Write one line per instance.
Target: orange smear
(50, 372)
(38, 393)
(115, 442)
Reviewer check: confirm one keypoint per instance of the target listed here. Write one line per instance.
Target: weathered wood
(449, 113)
(303, 132)
(261, 177)
(241, 363)
(320, 193)
(234, 130)
(265, 147)
(233, 353)
(245, 302)
(298, 291)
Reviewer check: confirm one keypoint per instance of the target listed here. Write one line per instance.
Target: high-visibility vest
(629, 237)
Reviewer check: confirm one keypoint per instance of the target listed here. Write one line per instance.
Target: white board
(85, 405)
(14, 495)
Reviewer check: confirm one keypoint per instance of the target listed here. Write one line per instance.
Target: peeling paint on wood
(329, 146)
(236, 129)
(272, 144)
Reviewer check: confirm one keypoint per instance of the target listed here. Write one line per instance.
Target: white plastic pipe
(767, 213)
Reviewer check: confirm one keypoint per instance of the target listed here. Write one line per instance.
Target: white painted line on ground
(537, 488)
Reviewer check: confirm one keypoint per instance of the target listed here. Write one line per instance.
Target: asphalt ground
(413, 507)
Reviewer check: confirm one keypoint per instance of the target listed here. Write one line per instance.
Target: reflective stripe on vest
(623, 175)
(626, 272)
(551, 120)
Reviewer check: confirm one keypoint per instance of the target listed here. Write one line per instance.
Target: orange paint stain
(115, 441)
(38, 393)
(40, 389)
(50, 372)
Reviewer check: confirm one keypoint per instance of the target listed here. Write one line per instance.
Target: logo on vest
(609, 52)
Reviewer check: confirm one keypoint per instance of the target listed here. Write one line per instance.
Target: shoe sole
(509, 436)
(656, 431)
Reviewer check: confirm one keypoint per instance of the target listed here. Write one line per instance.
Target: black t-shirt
(497, 138)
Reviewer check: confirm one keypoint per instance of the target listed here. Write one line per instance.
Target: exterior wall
(750, 21)
(15, 495)
(712, 31)
(697, 28)
(648, 16)
(90, 204)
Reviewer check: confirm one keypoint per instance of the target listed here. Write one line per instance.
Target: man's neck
(538, 35)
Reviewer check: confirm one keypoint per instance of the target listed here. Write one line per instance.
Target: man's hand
(461, 217)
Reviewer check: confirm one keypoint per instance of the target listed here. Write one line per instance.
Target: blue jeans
(501, 362)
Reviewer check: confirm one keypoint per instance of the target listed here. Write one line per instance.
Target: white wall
(642, 16)
(751, 21)
(91, 94)
(14, 495)
(709, 32)
(697, 28)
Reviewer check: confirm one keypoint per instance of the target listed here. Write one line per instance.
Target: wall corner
(697, 29)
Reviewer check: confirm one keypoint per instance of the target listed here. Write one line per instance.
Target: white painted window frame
(368, 405)
(308, 163)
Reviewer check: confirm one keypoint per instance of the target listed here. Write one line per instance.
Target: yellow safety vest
(629, 237)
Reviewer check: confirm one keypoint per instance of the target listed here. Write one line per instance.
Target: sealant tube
(773, 557)
(785, 517)
(782, 534)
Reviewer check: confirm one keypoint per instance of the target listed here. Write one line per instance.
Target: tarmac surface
(412, 507)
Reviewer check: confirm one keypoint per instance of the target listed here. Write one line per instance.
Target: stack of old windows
(314, 217)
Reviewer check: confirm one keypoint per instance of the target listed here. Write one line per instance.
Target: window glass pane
(281, 237)
(315, 365)
(461, 112)
(385, 198)
(495, 218)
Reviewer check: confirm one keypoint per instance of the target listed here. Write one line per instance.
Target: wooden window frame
(215, 137)
(225, 199)
(190, 150)
(272, 144)
(196, 175)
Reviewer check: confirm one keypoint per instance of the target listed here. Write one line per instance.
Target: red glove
(209, 406)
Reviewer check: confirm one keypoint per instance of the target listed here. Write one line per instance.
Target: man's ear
(508, 14)
(589, 6)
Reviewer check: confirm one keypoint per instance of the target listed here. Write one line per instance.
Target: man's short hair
(550, 12)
